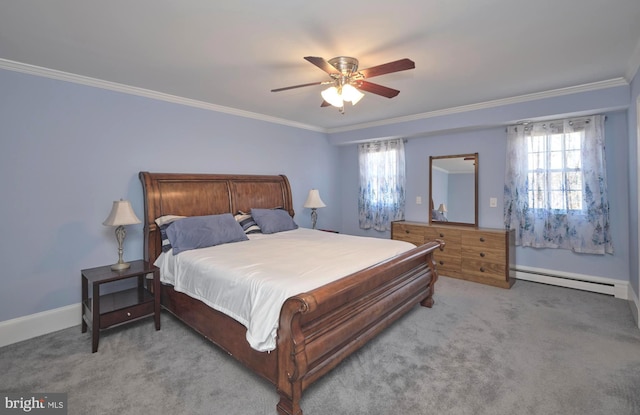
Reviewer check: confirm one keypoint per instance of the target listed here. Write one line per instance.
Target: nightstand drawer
(120, 316)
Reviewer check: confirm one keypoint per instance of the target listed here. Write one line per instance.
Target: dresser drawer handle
(482, 254)
(442, 235)
(481, 269)
(441, 262)
(407, 231)
(481, 239)
(128, 314)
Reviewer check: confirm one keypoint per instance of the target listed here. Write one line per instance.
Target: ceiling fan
(347, 81)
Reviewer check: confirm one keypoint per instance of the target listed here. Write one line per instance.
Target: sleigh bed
(317, 329)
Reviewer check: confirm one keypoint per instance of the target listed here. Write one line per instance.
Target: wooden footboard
(321, 328)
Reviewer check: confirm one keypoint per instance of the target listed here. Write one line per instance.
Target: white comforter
(250, 281)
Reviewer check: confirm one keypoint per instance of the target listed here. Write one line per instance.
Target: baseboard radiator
(609, 286)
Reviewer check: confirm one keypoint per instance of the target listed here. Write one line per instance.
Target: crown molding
(490, 104)
(127, 89)
(147, 93)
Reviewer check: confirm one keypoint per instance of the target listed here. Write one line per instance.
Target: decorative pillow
(246, 221)
(163, 222)
(203, 231)
(273, 220)
(167, 219)
(166, 244)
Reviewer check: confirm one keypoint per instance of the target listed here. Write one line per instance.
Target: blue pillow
(273, 220)
(203, 231)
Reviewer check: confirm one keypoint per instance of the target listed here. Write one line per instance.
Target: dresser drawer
(451, 238)
(482, 269)
(450, 247)
(445, 234)
(480, 253)
(448, 265)
(408, 233)
(486, 240)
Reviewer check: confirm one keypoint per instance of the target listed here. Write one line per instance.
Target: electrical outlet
(493, 202)
(418, 200)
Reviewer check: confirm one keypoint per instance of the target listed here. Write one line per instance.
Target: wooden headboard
(206, 194)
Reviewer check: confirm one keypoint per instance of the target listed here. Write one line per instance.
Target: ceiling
(229, 55)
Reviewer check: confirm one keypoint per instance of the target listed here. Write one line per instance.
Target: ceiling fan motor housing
(345, 64)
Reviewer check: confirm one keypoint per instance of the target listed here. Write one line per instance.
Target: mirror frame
(431, 159)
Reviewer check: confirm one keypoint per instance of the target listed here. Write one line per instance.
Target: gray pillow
(203, 231)
(273, 220)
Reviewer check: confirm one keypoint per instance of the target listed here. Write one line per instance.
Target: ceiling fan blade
(296, 86)
(395, 66)
(376, 89)
(325, 104)
(323, 64)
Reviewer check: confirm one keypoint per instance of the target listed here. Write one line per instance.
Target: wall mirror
(453, 189)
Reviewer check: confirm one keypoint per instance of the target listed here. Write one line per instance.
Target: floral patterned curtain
(556, 186)
(382, 184)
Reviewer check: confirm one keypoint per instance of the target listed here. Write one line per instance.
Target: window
(555, 172)
(382, 184)
(556, 186)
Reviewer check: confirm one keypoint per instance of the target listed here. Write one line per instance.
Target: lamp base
(120, 266)
(314, 218)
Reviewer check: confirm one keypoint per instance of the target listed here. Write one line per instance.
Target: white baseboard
(27, 327)
(610, 286)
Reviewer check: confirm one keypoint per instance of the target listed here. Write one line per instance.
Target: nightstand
(107, 310)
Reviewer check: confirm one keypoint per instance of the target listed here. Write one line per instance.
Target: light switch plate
(493, 202)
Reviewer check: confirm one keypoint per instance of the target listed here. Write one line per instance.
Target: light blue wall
(67, 151)
(490, 143)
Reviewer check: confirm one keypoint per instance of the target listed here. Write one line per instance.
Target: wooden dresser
(476, 254)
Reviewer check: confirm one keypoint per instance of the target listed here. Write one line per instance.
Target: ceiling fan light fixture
(351, 94)
(333, 97)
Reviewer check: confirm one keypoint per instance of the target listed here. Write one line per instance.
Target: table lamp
(121, 214)
(314, 202)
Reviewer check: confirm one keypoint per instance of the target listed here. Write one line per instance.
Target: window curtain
(538, 221)
(382, 184)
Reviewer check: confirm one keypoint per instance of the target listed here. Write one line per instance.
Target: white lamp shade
(442, 208)
(313, 200)
(351, 94)
(332, 96)
(121, 214)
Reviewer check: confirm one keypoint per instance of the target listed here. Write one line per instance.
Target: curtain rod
(525, 123)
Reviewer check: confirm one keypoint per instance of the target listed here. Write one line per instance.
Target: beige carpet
(534, 349)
